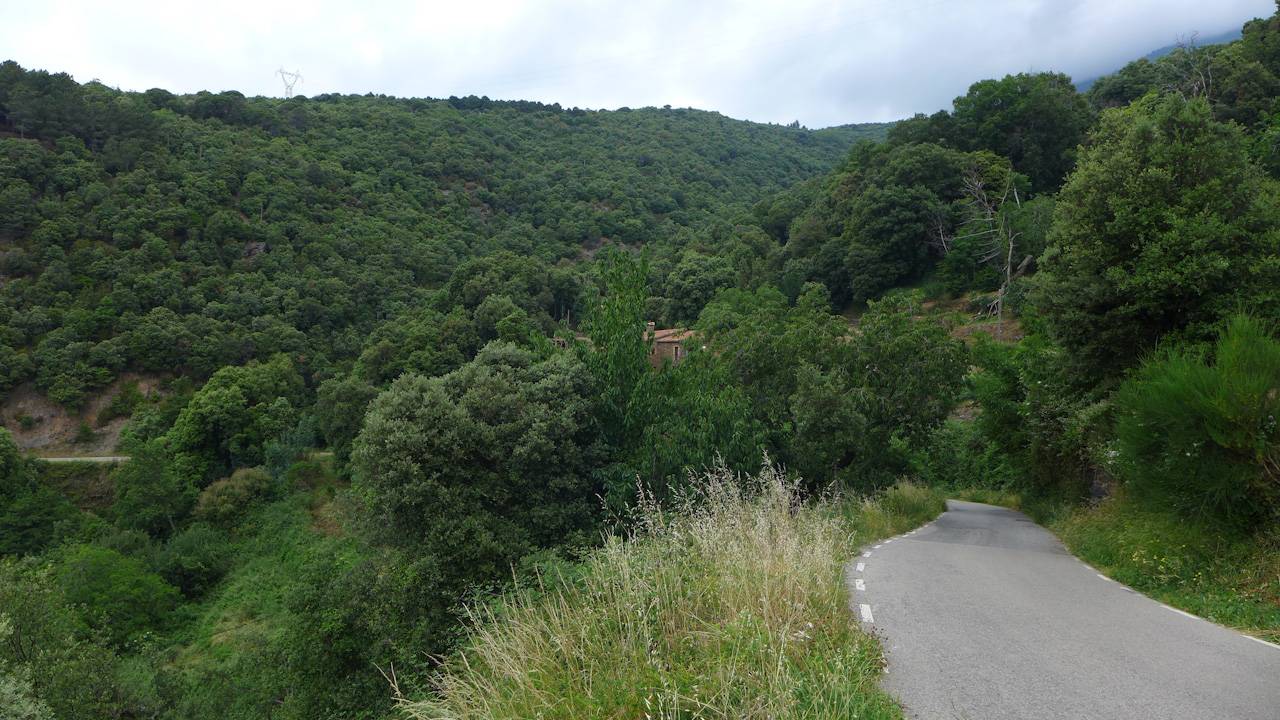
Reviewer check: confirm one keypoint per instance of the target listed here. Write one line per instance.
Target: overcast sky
(822, 63)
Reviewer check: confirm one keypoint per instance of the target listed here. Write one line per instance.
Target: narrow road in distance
(87, 459)
(984, 615)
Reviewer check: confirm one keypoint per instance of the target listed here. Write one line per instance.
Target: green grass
(225, 654)
(1231, 579)
(734, 606)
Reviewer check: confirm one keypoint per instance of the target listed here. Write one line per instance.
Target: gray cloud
(820, 62)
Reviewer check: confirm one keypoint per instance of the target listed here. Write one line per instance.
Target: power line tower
(290, 79)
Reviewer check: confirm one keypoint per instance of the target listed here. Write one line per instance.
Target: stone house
(667, 345)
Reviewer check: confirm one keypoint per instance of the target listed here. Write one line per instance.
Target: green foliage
(890, 229)
(891, 213)
(764, 341)
(122, 404)
(420, 340)
(195, 559)
(1163, 230)
(682, 618)
(84, 433)
(471, 471)
(1220, 574)
(838, 403)
(340, 408)
(858, 416)
(368, 248)
(699, 416)
(233, 658)
(693, 282)
(18, 699)
(618, 356)
(166, 233)
(1057, 435)
(1240, 79)
(47, 656)
(1034, 120)
(294, 444)
(224, 502)
(959, 456)
(345, 622)
(1201, 433)
(151, 495)
(15, 367)
(230, 419)
(33, 516)
(115, 595)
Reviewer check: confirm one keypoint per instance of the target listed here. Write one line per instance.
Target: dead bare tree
(1193, 67)
(939, 237)
(1000, 237)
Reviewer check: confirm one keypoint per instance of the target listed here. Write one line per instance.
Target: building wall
(666, 351)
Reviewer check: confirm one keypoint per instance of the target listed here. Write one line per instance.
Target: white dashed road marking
(861, 567)
(866, 554)
(860, 585)
(866, 613)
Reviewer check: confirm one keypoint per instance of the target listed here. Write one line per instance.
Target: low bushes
(226, 501)
(195, 559)
(1200, 431)
(116, 595)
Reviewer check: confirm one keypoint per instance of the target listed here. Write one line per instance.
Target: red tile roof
(672, 335)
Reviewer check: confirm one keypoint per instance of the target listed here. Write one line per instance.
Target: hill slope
(154, 231)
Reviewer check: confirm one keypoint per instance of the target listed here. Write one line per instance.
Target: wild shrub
(33, 515)
(308, 475)
(149, 494)
(1199, 430)
(115, 595)
(122, 405)
(225, 501)
(292, 444)
(195, 559)
(959, 456)
(84, 434)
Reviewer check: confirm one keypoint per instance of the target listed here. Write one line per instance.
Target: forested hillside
(400, 366)
(156, 232)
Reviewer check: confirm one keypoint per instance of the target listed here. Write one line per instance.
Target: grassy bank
(1230, 578)
(732, 607)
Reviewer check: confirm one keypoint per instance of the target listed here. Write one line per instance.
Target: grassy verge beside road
(732, 606)
(1231, 578)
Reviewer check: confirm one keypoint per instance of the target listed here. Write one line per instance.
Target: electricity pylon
(290, 79)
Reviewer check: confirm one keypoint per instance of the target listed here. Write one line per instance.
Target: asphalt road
(984, 615)
(87, 458)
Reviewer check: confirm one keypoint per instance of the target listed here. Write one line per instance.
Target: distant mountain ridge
(1218, 39)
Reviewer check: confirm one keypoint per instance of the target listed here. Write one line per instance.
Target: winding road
(87, 459)
(984, 615)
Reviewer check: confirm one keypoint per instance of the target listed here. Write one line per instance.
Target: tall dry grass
(730, 606)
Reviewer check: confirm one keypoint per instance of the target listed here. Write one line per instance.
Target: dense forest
(401, 364)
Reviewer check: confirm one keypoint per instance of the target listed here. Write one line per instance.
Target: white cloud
(818, 61)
